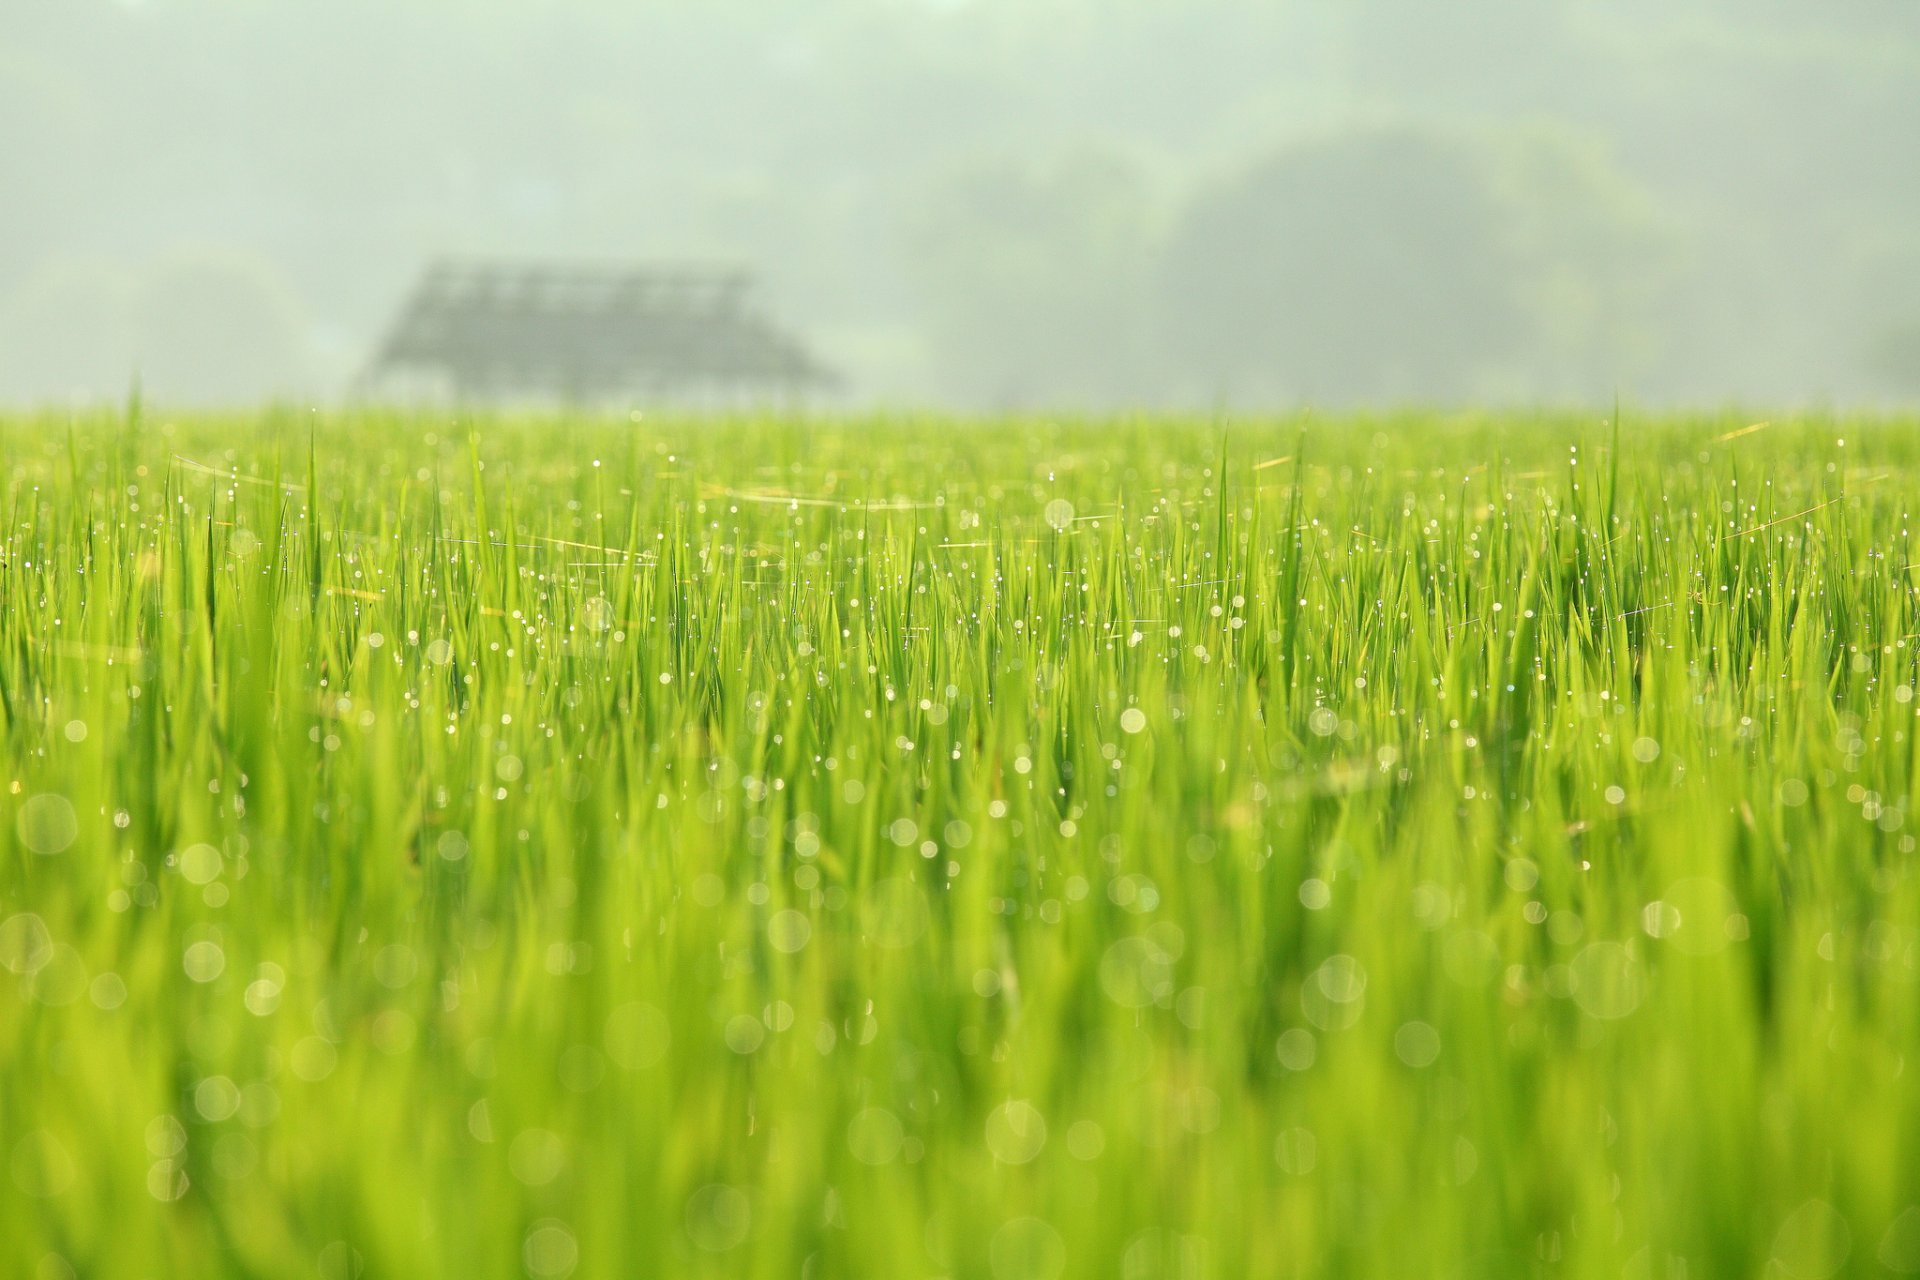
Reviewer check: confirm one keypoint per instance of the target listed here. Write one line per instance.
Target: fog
(991, 204)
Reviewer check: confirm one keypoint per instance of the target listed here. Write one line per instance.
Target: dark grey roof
(587, 332)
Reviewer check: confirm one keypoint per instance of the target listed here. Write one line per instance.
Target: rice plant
(574, 846)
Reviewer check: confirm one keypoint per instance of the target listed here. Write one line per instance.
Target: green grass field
(1399, 846)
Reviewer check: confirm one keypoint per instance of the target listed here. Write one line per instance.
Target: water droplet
(637, 1036)
(41, 1166)
(550, 1249)
(1417, 1044)
(1606, 980)
(536, 1157)
(1900, 1247)
(203, 961)
(47, 824)
(1813, 1242)
(216, 1098)
(1136, 972)
(718, 1217)
(1016, 1131)
(875, 1136)
(200, 863)
(25, 944)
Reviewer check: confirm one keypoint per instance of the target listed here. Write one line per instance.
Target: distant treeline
(995, 203)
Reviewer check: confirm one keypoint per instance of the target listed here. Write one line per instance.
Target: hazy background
(992, 203)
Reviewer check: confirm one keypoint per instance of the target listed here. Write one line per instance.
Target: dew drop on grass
(216, 1098)
(1659, 919)
(637, 1036)
(1343, 979)
(550, 1251)
(393, 1032)
(41, 1166)
(167, 1180)
(1086, 1140)
(203, 961)
(1296, 1151)
(1813, 1242)
(718, 1217)
(1136, 972)
(1016, 1131)
(744, 1033)
(395, 965)
(709, 889)
(1606, 980)
(46, 824)
(313, 1059)
(1432, 905)
(875, 1136)
(25, 944)
(199, 863)
(789, 931)
(1334, 995)
(1417, 1044)
(166, 1136)
(339, 1260)
(1900, 1246)
(1296, 1049)
(62, 980)
(536, 1156)
(262, 995)
(107, 991)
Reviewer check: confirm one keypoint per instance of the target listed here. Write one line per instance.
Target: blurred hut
(515, 332)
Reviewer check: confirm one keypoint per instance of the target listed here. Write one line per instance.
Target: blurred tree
(1376, 265)
(1596, 260)
(1400, 262)
(200, 327)
(217, 328)
(1033, 278)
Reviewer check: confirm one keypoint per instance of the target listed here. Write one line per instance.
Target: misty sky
(995, 203)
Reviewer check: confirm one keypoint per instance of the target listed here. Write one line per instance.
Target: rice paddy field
(1406, 845)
